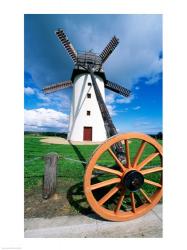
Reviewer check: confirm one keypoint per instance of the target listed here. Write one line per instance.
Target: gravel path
(60, 140)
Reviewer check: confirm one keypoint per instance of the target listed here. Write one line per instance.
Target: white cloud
(125, 99)
(152, 80)
(136, 55)
(111, 109)
(42, 119)
(56, 99)
(113, 98)
(137, 108)
(138, 52)
(137, 87)
(29, 91)
(42, 96)
(110, 98)
(61, 99)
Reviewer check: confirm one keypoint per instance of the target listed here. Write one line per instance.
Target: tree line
(64, 135)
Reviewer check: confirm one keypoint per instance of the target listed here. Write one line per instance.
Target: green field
(34, 168)
(70, 174)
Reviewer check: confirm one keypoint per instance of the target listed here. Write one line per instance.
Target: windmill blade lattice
(109, 49)
(55, 87)
(117, 88)
(67, 44)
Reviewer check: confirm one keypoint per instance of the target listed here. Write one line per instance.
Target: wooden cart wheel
(123, 191)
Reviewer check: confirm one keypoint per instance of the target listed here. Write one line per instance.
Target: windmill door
(87, 134)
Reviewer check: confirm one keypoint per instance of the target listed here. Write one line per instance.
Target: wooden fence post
(49, 186)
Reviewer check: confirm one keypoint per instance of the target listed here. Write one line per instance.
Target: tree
(159, 136)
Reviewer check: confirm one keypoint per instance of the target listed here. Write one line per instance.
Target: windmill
(90, 119)
(89, 116)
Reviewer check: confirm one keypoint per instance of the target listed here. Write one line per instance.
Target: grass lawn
(70, 197)
(34, 170)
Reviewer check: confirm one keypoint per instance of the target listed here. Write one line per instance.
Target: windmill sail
(57, 86)
(90, 63)
(109, 49)
(117, 88)
(67, 44)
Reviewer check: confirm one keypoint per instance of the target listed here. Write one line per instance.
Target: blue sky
(136, 64)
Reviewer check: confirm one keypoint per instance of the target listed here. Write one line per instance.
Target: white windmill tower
(89, 118)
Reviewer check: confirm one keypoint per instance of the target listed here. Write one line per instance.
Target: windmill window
(89, 84)
(88, 112)
(88, 95)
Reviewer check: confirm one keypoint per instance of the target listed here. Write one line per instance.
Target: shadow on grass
(79, 154)
(78, 201)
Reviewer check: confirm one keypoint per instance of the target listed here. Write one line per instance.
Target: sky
(136, 64)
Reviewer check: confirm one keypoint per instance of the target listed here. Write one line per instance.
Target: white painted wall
(80, 105)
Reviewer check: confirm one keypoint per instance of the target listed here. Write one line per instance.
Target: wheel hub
(133, 180)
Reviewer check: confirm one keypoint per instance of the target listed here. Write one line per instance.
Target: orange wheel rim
(118, 202)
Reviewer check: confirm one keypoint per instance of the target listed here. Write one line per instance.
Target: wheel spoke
(133, 202)
(145, 195)
(151, 170)
(139, 153)
(120, 201)
(108, 170)
(147, 160)
(105, 183)
(108, 195)
(127, 153)
(116, 159)
(129, 187)
(153, 183)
